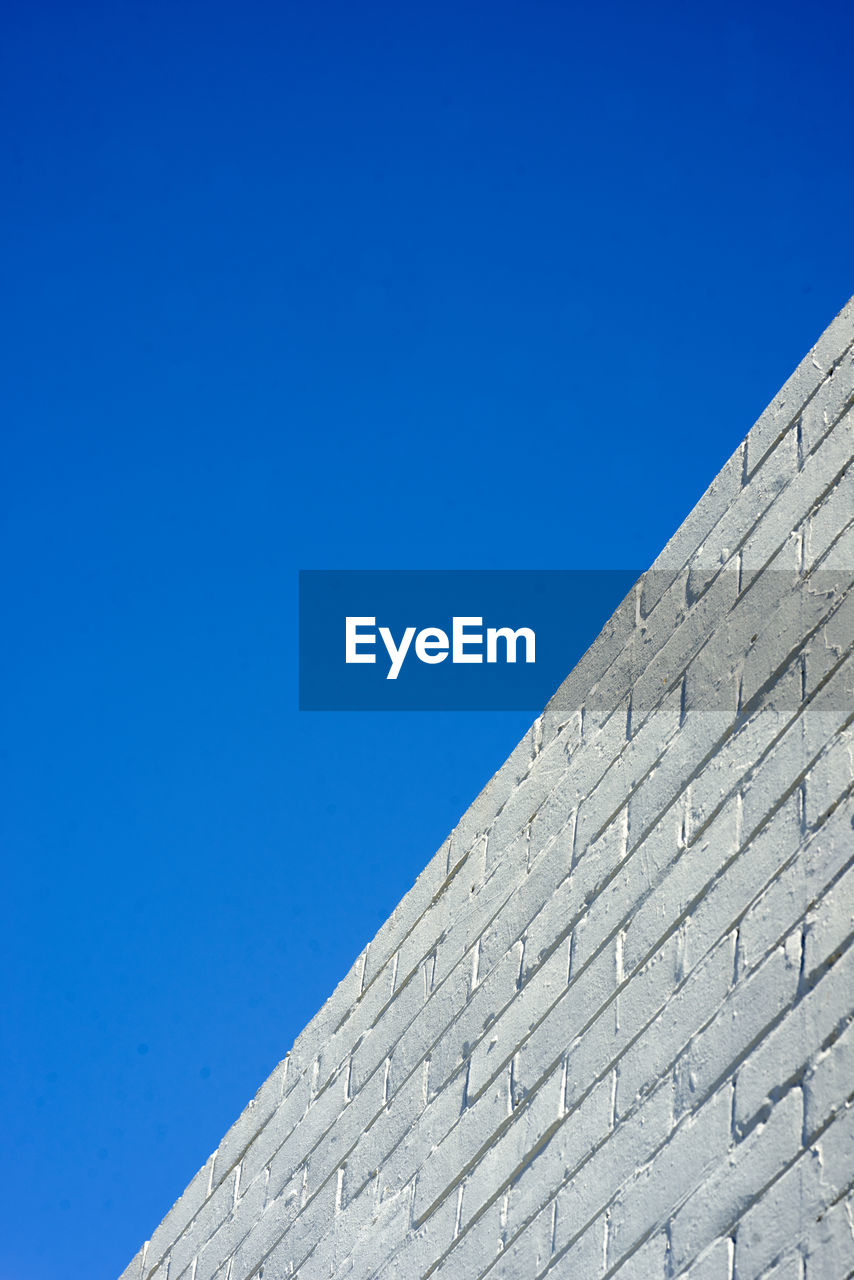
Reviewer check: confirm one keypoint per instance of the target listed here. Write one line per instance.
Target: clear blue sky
(329, 285)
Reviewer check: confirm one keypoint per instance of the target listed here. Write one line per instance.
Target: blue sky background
(329, 285)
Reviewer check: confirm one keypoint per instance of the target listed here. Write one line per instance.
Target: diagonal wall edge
(608, 1031)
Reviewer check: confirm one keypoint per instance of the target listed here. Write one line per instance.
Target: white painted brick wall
(610, 1031)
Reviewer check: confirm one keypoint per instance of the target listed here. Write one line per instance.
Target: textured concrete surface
(609, 1030)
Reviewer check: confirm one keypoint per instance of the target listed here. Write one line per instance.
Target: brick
(715, 1206)
(480, 815)
(405, 915)
(829, 1083)
(340, 1139)
(348, 1032)
(210, 1216)
(835, 1146)
(466, 918)
(551, 817)
(684, 1162)
(782, 630)
(299, 1238)
(135, 1270)
(726, 902)
(601, 743)
(360, 1247)
(312, 1127)
(504, 930)
(309, 1042)
(585, 1255)
(823, 527)
(750, 507)
(566, 905)
(677, 891)
(472, 1132)
(605, 724)
(429, 1240)
(249, 1124)
(631, 1145)
(448, 1004)
(741, 633)
(585, 676)
(797, 748)
(498, 1045)
(650, 1259)
(679, 1019)
(787, 1048)
(830, 776)
(529, 1124)
(633, 762)
(742, 1020)
(810, 375)
(179, 1216)
(569, 1151)
(390, 1026)
(791, 1267)
(415, 1140)
(662, 789)
(715, 1263)
(469, 1252)
(793, 503)
(684, 642)
(827, 648)
(487, 1002)
(617, 1025)
(282, 1123)
(694, 531)
(830, 923)
(790, 1207)
(637, 885)
(804, 872)
(657, 650)
(829, 403)
(339, 1240)
(829, 1245)
(526, 799)
(381, 1135)
(224, 1241)
(553, 1034)
(527, 1255)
